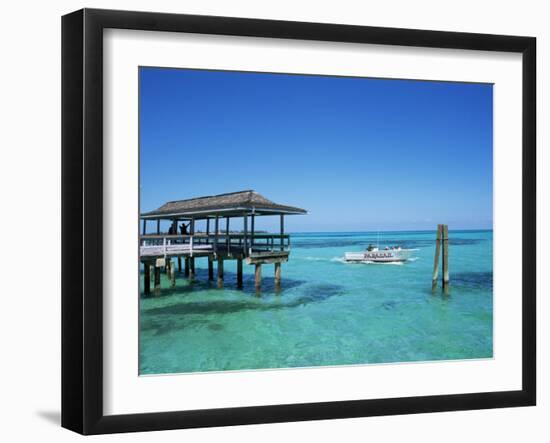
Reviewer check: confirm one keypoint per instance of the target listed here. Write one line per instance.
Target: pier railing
(202, 243)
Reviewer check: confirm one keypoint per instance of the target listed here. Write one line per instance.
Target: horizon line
(388, 230)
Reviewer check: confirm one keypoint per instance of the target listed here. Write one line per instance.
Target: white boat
(376, 255)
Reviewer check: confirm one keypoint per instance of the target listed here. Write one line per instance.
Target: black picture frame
(82, 190)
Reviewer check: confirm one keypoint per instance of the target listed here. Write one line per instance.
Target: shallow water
(327, 312)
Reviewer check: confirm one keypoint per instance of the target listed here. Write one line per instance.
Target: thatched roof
(224, 205)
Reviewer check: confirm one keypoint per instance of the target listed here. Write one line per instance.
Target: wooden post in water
(146, 279)
(258, 276)
(186, 270)
(172, 274)
(240, 271)
(441, 248)
(436, 258)
(220, 272)
(179, 264)
(210, 268)
(192, 267)
(157, 280)
(167, 266)
(277, 273)
(445, 240)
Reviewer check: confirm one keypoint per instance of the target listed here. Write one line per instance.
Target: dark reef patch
(473, 280)
(311, 294)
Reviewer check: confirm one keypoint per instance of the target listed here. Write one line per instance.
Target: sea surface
(327, 312)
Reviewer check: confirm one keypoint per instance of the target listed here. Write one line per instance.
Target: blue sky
(359, 154)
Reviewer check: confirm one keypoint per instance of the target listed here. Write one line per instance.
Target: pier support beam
(210, 269)
(191, 268)
(258, 276)
(146, 279)
(179, 264)
(172, 270)
(220, 272)
(277, 274)
(240, 272)
(186, 271)
(157, 280)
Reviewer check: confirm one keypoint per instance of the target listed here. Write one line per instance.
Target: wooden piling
(436, 258)
(210, 268)
(278, 273)
(179, 264)
(192, 267)
(146, 279)
(220, 272)
(445, 240)
(240, 272)
(172, 275)
(441, 248)
(258, 275)
(157, 280)
(186, 270)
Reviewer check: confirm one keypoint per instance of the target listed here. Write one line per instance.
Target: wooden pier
(160, 251)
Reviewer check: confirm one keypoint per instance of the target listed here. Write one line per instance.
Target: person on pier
(183, 229)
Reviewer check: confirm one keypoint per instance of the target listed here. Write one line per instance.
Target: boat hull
(385, 256)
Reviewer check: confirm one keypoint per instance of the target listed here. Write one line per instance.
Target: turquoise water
(327, 312)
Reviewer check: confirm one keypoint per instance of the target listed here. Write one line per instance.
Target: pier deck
(217, 245)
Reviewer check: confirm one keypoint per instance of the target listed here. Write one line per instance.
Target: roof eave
(213, 212)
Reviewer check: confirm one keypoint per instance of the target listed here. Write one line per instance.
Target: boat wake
(315, 259)
(338, 259)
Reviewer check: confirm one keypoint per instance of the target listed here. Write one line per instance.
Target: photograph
(292, 221)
